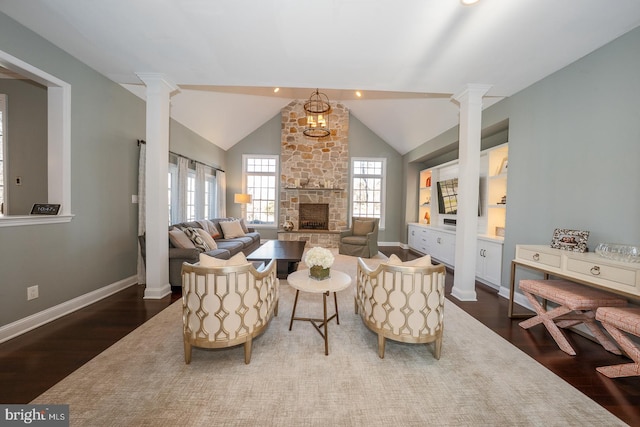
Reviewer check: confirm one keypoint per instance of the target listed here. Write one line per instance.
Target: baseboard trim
(29, 323)
(518, 298)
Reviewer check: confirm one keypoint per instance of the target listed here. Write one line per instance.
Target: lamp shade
(242, 198)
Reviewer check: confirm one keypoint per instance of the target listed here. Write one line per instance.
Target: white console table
(587, 268)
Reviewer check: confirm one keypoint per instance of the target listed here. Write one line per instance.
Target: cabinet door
(443, 247)
(413, 238)
(489, 261)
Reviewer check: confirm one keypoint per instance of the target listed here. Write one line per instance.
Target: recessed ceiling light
(469, 2)
(358, 94)
(276, 90)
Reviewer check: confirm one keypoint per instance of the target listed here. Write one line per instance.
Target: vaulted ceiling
(406, 57)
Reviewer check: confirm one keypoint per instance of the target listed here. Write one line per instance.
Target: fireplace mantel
(312, 189)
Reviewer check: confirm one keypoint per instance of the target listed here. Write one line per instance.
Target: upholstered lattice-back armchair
(227, 306)
(402, 302)
(361, 239)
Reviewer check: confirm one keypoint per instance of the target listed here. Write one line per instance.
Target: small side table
(301, 281)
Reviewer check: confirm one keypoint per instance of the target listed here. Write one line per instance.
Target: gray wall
(574, 151)
(574, 146)
(264, 140)
(362, 143)
(26, 137)
(99, 246)
(188, 144)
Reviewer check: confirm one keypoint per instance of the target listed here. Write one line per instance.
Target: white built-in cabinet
(489, 261)
(430, 235)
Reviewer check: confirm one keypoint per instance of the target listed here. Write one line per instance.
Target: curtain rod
(196, 161)
(142, 141)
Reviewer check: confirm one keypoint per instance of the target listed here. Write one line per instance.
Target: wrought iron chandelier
(317, 109)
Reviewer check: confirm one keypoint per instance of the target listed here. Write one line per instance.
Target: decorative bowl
(619, 252)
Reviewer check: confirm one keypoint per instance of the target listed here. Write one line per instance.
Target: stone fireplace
(314, 171)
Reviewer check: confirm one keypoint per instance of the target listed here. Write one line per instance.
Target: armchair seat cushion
(355, 240)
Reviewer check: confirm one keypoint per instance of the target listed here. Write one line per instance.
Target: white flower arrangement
(319, 256)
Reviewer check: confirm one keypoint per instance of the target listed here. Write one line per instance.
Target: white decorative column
(470, 102)
(157, 167)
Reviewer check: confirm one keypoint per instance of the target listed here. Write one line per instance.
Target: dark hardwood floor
(35, 361)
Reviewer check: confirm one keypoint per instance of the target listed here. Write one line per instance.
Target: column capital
(157, 80)
(471, 92)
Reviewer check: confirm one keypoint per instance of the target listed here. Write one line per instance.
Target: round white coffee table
(301, 281)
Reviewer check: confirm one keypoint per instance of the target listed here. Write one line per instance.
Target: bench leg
(546, 317)
(625, 369)
(597, 332)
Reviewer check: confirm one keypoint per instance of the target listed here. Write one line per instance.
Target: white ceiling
(407, 57)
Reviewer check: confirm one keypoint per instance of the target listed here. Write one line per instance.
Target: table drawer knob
(595, 270)
(536, 257)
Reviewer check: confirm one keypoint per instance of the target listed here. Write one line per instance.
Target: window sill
(22, 220)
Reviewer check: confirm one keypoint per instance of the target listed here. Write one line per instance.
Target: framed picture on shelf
(570, 240)
(504, 164)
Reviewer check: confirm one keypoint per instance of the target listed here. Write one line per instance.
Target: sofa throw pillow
(231, 229)
(424, 261)
(243, 224)
(192, 233)
(179, 239)
(209, 261)
(362, 228)
(208, 226)
(207, 238)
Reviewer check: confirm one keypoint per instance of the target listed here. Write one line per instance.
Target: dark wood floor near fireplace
(35, 361)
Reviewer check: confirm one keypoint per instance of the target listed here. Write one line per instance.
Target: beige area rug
(480, 379)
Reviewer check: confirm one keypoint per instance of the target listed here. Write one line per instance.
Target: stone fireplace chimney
(314, 171)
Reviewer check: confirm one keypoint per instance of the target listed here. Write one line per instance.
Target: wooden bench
(617, 321)
(576, 304)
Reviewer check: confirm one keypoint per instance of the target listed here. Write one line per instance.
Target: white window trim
(59, 143)
(210, 180)
(277, 190)
(3, 172)
(383, 195)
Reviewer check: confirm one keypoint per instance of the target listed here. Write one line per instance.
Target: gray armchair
(361, 239)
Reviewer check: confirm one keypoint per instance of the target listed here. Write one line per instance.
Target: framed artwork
(45, 209)
(504, 164)
(570, 240)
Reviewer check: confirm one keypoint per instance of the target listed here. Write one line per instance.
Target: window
(3, 115)
(208, 205)
(260, 177)
(368, 189)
